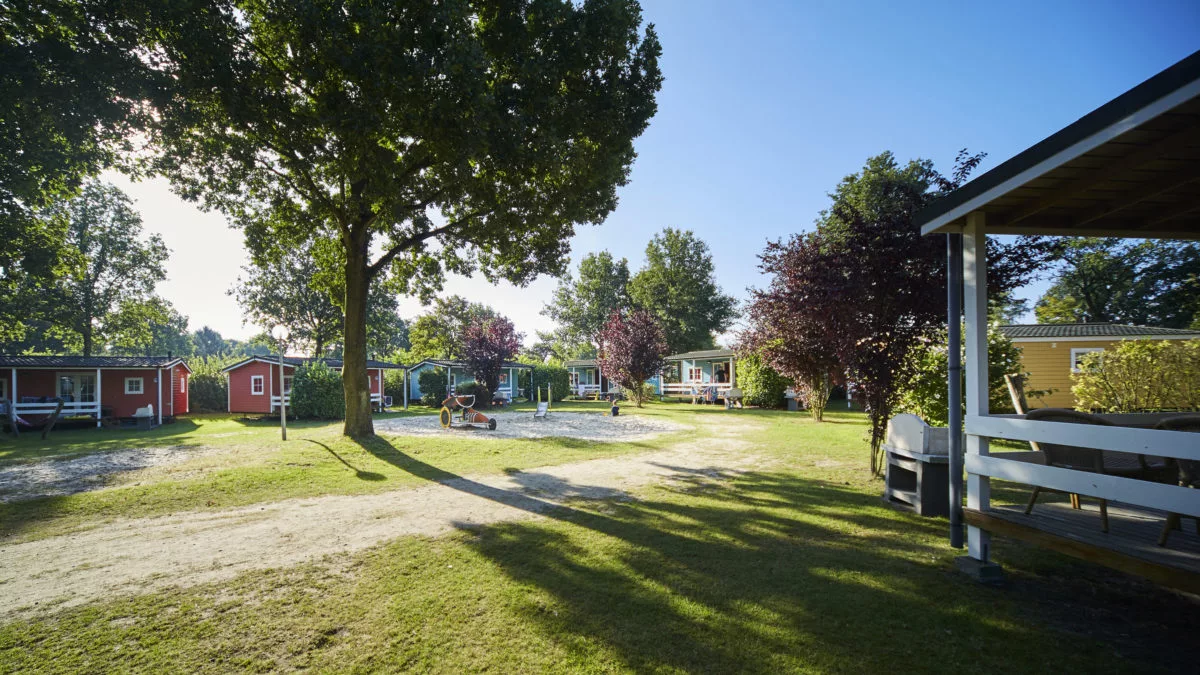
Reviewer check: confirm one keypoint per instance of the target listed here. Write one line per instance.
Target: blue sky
(767, 105)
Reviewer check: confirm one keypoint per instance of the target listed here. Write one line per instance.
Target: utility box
(918, 465)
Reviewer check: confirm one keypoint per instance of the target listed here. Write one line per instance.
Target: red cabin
(95, 386)
(254, 384)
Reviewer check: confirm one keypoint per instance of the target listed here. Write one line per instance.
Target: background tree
(633, 351)
(488, 344)
(789, 321)
(118, 269)
(582, 307)
(440, 333)
(461, 136)
(295, 293)
(1145, 283)
(208, 343)
(678, 286)
(150, 327)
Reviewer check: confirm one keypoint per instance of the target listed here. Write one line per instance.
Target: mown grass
(794, 567)
(251, 465)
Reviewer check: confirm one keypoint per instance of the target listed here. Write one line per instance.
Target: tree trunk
(88, 339)
(354, 353)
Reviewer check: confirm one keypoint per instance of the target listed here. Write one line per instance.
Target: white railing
(275, 401)
(70, 408)
(1155, 442)
(690, 388)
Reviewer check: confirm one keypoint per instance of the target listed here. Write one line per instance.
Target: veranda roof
(1127, 169)
(1091, 330)
(702, 354)
(90, 362)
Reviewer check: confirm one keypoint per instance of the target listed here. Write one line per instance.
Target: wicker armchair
(1088, 459)
(1189, 470)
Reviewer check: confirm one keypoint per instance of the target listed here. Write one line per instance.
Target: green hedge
(207, 389)
(432, 382)
(556, 376)
(317, 393)
(483, 397)
(393, 385)
(761, 386)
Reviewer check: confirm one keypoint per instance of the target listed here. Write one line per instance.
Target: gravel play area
(55, 477)
(586, 426)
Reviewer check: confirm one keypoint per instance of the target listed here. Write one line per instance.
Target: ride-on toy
(470, 416)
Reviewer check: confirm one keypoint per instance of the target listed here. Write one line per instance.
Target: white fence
(71, 409)
(694, 388)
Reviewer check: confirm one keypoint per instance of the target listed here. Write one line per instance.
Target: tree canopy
(1145, 283)
(678, 286)
(489, 343)
(633, 349)
(440, 333)
(424, 137)
(582, 306)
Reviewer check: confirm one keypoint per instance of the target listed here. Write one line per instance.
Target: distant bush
(393, 385)
(556, 376)
(1140, 376)
(432, 383)
(207, 389)
(925, 394)
(483, 397)
(761, 386)
(645, 393)
(317, 393)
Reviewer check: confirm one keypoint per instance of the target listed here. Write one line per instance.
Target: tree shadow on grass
(359, 473)
(763, 572)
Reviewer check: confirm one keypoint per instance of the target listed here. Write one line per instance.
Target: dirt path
(140, 555)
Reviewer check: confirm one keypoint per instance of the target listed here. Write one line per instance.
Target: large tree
(678, 286)
(633, 352)
(151, 327)
(208, 343)
(72, 88)
(868, 286)
(1155, 283)
(426, 137)
(582, 306)
(489, 343)
(117, 271)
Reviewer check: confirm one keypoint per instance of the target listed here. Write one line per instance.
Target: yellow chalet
(1051, 352)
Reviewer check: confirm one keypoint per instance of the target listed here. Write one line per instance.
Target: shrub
(317, 393)
(1140, 376)
(646, 392)
(761, 385)
(393, 385)
(556, 376)
(483, 397)
(925, 395)
(208, 390)
(432, 382)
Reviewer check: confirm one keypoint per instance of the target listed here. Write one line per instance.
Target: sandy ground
(590, 426)
(141, 555)
(54, 477)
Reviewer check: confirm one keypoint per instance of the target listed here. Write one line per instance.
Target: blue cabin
(457, 372)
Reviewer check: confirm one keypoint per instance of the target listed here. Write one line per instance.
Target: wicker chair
(1088, 459)
(1189, 470)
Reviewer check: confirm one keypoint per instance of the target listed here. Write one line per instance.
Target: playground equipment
(469, 417)
(543, 407)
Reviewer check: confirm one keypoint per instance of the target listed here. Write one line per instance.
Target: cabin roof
(296, 361)
(102, 362)
(1090, 330)
(702, 354)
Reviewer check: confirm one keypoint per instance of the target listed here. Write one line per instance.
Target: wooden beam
(1143, 192)
(1165, 575)
(1156, 150)
(1174, 211)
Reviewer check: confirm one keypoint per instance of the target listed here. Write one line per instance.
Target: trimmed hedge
(556, 376)
(761, 386)
(483, 397)
(317, 393)
(432, 382)
(207, 389)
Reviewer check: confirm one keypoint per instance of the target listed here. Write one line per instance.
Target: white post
(975, 305)
(732, 383)
(158, 381)
(97, 398)
(449, 369)
(14, 388)
(404, 379)
(282, 399)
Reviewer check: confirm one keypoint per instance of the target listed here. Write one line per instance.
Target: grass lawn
(246, 463)
(794, 566)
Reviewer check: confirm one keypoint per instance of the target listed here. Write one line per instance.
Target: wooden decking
(1131, 544)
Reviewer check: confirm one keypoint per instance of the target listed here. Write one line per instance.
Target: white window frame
(695, 374)
(4, 389)
(262, 388)
(183, 384)
(141, 386)
(573, 378)
(1076, 352)
(504, 379)
(287, 384)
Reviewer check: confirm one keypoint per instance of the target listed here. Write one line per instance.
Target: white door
(77, 387)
